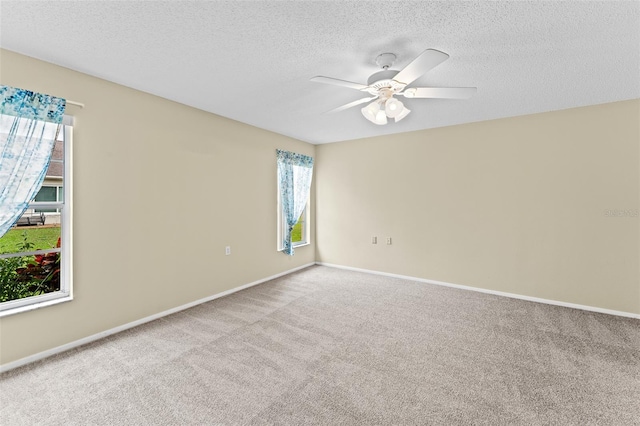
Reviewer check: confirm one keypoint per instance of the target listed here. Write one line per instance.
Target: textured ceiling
(252, 60)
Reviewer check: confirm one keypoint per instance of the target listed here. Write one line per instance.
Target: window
(35, 255)
(294, 175)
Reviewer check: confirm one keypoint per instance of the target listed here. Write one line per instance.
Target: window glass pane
(297, 235)
(61, 194)
(56, 164)
(29, 235)
(45, 210)
(46, 193)
(26, 276)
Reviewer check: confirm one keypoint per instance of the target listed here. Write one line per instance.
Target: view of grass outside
(42, 238)
(296, 234)
(26, 276)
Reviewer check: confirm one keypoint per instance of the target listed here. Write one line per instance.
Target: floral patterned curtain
(294, 178)
(29, 124)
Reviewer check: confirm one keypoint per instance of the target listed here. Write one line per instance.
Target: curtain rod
(80, 104)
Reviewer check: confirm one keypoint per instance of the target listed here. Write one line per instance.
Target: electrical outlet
(374, 240)
(227, 250)
(389, 241)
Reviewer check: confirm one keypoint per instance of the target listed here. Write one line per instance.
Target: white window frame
(306, 234)
(65, 293)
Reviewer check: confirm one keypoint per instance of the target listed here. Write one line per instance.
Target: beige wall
(514, 205)
(159, 190)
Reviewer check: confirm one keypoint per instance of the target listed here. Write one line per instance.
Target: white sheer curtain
(29, 123)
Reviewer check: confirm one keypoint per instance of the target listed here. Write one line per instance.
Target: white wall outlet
(389, 241)
(227, 250)
(374, 240)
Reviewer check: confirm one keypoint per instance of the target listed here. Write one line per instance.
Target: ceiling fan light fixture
(381, 117)
(403, 114)
(370, 111)
(393, 108)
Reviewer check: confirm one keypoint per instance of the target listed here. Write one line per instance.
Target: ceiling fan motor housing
(384, 80)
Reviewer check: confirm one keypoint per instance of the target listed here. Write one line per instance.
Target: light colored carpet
(328, 346)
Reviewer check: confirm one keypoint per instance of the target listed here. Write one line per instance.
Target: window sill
(47, 300)
(295, 246)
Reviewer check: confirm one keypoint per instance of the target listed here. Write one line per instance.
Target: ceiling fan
(385, 84)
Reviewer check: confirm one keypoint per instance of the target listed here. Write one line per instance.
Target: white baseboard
(103, 334)
(494, 292)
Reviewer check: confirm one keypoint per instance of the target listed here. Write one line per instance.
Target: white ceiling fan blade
(336, 82)
(352, 104)
(440, 92)
(427, 60)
